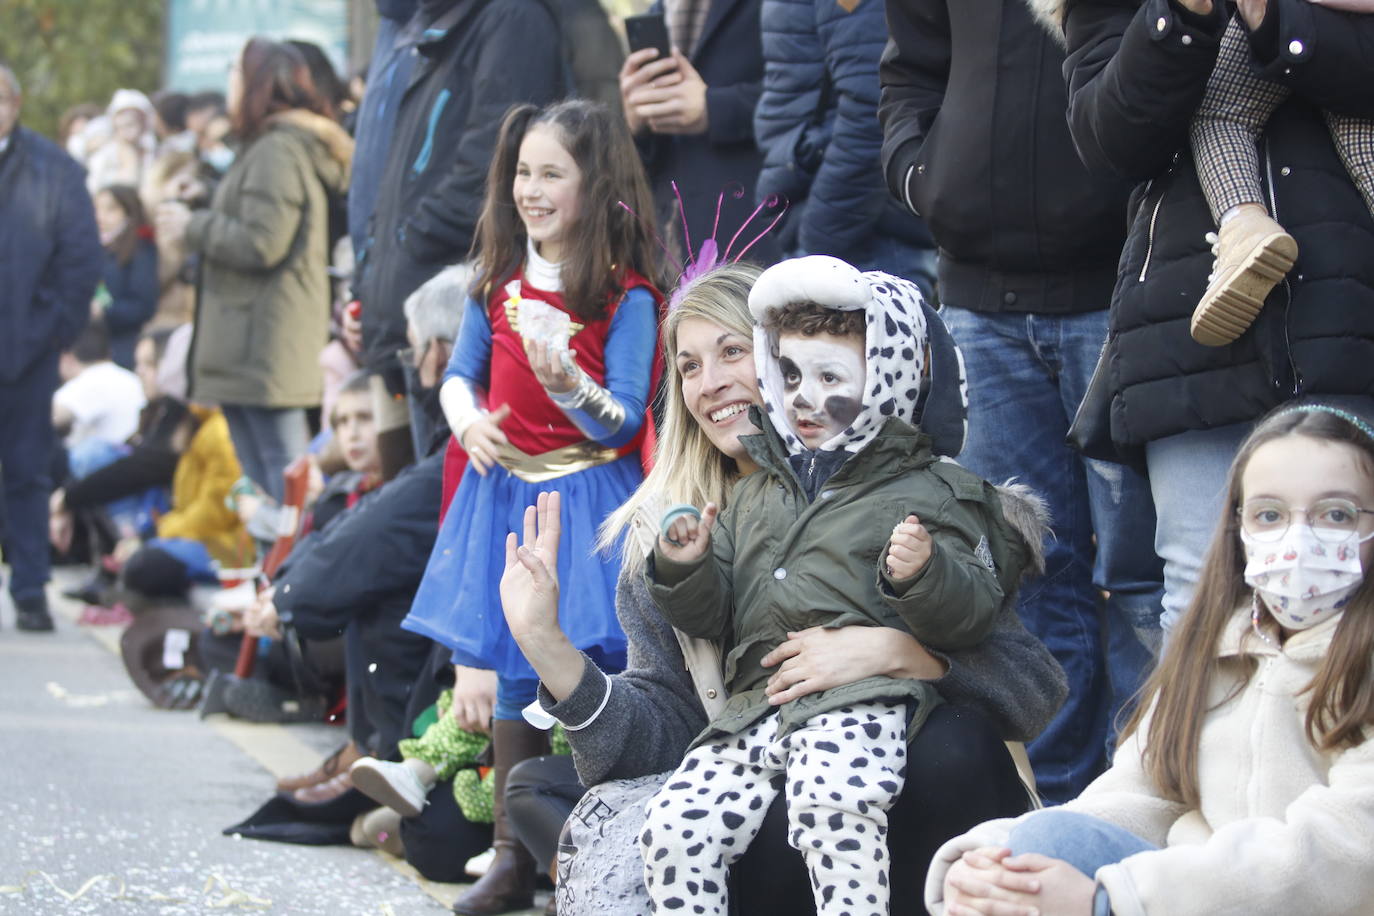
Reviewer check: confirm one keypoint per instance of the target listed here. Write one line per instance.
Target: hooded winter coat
(263, 310)
(1136, 73)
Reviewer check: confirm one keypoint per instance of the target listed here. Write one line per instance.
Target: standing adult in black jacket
(693, 116)
(50, 262)
(976, 143)
(474, 60)
(1136, 73)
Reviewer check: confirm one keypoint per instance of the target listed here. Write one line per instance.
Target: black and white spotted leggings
(840, 773)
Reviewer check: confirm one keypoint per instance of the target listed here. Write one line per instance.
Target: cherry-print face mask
(1301, 579)
(823, 379)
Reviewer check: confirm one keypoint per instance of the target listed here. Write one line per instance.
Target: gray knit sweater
(643, 720)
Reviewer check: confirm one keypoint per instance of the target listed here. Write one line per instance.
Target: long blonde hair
(1341, 708)
(687, 467)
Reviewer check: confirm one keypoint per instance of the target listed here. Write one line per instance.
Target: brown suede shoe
(1253, 253)
(336, 763)
(325, 791)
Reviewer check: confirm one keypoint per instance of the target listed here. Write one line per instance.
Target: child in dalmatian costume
(851, 518)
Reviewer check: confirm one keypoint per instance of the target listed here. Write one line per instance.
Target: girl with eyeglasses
(1245, 782)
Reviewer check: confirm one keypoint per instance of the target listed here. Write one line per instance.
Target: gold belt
(558, 463)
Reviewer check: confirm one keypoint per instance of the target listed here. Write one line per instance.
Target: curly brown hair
(812, 318)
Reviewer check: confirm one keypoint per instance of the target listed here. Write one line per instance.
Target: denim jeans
(1188, 478)
(1027, 373)
(1085, 842)
(266, 440)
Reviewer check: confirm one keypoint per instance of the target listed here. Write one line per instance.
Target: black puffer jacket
(1136, 71)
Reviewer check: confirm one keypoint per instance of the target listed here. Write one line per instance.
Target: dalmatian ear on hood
(815, 278)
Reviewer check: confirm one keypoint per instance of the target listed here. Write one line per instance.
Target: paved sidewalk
(111, 806)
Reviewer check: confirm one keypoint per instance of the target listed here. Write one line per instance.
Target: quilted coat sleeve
(847, 196)
(786, 125)
(1135, 74)
(1315, 50)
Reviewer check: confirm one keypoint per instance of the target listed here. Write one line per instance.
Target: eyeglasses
(1332, 520)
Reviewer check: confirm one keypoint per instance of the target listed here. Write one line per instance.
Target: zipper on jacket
(1150, 240)
(1154, 218)
(1272, 189)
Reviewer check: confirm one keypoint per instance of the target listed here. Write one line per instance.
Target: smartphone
(647, 30)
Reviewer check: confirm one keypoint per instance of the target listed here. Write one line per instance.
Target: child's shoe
(402, 787)
(1252, 254)
(379, 828)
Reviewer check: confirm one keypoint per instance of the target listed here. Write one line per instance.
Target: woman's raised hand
(529, 586)
(482, 440)
(549, 367)
(687, 538)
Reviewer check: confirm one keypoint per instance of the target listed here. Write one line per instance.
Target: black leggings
(959, 774)
(540, 794)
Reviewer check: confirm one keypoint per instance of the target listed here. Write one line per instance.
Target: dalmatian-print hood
(895, 342)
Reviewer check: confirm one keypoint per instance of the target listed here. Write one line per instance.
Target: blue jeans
(266, 440)
(1027, 373)
(513, 694)
(1085, 842)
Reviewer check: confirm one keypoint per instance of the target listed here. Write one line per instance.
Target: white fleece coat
(1283, 828)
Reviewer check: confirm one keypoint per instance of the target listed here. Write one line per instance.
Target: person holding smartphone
(690, 104)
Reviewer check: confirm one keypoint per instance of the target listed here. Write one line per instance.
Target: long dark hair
(605, 239)
(125, 245)
(1342, 693)
(275, 78)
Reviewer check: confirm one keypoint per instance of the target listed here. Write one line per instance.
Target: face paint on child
(823, 378)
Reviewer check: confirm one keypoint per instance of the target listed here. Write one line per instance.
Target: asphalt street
(110, 806)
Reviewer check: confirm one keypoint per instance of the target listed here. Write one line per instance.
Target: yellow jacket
(206, 471)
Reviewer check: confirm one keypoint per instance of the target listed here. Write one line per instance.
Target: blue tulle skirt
(459, 602)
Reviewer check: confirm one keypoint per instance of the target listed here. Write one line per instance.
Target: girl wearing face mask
(1243, 784)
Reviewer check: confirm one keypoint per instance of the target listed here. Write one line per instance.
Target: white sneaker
(393, 785)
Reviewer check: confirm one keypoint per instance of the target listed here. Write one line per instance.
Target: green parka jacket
(262, 314)
(782, 564)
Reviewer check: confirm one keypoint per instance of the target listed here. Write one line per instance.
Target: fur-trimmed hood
(1050, 14)
(333, 147)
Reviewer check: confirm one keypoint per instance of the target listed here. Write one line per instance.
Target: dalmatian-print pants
(840, 773)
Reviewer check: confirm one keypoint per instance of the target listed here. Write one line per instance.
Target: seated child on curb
(851, 517)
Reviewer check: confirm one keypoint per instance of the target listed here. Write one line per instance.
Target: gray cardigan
(643, 720)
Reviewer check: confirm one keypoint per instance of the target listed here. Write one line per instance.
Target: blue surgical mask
(220, 158)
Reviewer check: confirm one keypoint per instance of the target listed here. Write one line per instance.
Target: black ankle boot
(32, 614)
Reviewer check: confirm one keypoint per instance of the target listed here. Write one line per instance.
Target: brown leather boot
(336, 763)
(509, 882)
